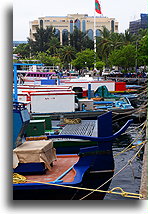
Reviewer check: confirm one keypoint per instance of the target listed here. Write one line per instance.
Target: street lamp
(136, 56)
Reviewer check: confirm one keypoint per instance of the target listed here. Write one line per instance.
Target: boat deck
(85, 128)
(60, 166)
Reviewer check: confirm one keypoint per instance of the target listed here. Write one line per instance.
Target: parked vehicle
(106, 72)
(116, 73)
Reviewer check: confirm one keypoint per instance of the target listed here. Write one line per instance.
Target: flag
(97, 7)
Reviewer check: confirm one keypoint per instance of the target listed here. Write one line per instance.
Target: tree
(54, 45)
(116, 41)
(104, 44)
(48, 59)
(23, 50)
(80, 40)
(143, 51)
(66, 54)
(124, 57)
(84, 59)
(42, 38)
(100, 65)
(128, 38)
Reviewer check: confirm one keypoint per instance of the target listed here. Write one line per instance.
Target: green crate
(48, 124)
(35, 128)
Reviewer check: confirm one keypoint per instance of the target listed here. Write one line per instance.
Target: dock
(128, 80)
(144, 184)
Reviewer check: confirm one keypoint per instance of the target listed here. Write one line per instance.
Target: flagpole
(95, 50)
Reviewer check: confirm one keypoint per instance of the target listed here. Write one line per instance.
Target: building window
(65, 37)
(71, 26)
(77, 23)
(83, 26)
(54, 20)
(112, 26)
(116, 27)
(57, 34)
(41, 23)
(90, 34)
(98, 33)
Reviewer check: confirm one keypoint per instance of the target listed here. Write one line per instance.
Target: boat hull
(45, 192)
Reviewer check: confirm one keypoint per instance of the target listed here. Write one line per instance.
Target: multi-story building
(135, 26)
(65, 24)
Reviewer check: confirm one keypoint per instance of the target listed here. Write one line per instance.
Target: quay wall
(144, 184)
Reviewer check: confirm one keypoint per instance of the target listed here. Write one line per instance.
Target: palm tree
(104, 44)
(116, 41)
(80, 40)
(41, 39)
(67, 54)
(54, 45)
(128, 38)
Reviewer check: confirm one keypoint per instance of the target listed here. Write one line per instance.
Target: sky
(24, 11)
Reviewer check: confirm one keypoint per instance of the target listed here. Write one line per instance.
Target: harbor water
(130, 178)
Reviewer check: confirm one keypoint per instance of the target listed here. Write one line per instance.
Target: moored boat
(66, 176)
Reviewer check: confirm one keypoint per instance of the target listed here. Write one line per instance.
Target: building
(141, 23)
(65, 24)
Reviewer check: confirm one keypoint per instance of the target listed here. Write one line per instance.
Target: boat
(44, 98)
(103, 99)
(62, 176)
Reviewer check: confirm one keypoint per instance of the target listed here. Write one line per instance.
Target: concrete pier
(144, 184)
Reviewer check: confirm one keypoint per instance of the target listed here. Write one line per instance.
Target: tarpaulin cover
(34, 152)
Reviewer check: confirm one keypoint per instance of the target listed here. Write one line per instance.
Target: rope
(127, 148)
(18, 179)
(135, 128)
(21, 179)
(71, 121)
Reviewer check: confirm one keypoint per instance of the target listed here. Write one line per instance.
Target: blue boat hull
(94, 168)
(44, 192)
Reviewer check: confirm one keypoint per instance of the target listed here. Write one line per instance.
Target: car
(106, 72)
(116, 73)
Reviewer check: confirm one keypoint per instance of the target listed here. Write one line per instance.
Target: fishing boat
(44, 98)
(65, 176)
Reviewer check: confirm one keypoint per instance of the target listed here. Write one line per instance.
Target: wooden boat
(64, 178)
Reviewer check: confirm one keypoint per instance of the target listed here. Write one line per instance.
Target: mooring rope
(139, 133)
(17, 178)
